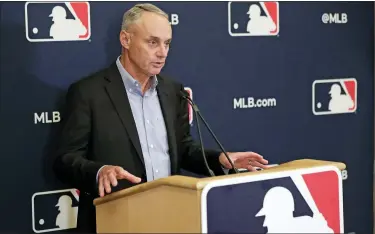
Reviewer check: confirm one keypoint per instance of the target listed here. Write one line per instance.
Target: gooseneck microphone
(195, 109)
(196, 114)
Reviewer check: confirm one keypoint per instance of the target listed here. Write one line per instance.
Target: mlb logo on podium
(253, 18)
(55, 210)
(334, 96)
(306, 200)
(57, 21)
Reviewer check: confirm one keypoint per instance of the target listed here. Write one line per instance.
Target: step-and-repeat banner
(288, 80)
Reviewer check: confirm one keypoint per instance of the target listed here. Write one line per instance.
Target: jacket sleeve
(72, 164)
(192, 158)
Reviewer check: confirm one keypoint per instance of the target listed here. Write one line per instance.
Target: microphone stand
(197, 112)
(200, 138)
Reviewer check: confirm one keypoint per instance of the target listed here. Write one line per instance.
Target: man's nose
(162, 51)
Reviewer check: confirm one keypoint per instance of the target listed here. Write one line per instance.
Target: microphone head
(184, 94)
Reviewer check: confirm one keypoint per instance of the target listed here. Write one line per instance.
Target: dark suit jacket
(99, 129)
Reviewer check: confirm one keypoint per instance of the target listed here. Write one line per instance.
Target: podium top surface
(199, 183)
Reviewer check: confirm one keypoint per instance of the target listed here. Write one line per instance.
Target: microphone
(197, 113)
(195, 108)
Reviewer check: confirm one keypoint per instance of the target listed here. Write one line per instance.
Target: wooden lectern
(174, 204)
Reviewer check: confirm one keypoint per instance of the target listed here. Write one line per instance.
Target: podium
(302, 196)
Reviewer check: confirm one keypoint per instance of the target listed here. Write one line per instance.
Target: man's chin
(154, 71)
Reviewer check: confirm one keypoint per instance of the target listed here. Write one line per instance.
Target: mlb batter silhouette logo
(55, 210)
(253, 18)
(57, 21)
(67, 217)
(278, 208)
(297, 201)
(334, 96)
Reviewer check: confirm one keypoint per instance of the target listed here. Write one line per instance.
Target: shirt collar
(132, 84)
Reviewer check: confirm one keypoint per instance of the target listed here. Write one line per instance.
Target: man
(127, 124)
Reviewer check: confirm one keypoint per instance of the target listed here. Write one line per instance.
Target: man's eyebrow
(158, 39)
(153, 37)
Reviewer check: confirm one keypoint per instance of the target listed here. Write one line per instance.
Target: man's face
(149, 43)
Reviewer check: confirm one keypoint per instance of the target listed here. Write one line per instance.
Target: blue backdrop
(287, 73)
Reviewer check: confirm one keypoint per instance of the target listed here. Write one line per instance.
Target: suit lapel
(117, 93)
(168, 108)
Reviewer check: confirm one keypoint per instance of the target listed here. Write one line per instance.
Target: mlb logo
(253, 18)
(190, 92)
(298, 201)
(55, 210)
(334, 96)
(57, 21)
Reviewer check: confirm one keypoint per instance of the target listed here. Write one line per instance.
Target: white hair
(133, 14)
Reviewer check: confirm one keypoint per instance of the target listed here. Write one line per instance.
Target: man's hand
(247, 160)
(109, 175)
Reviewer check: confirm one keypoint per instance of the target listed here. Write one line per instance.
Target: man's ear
(125, 39)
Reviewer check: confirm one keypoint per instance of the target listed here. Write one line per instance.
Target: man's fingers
(109, 178)
(119, 172)
(260, 164)
(251, 155)
(263, 161)
(257, 164)
(112, 178)
(101, 187)
(250, 168)
(122, 174)
(257, 157)
(132, 178)
(107, 185)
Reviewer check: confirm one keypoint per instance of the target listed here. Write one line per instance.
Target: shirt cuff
(226, 171)
(97, 174)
